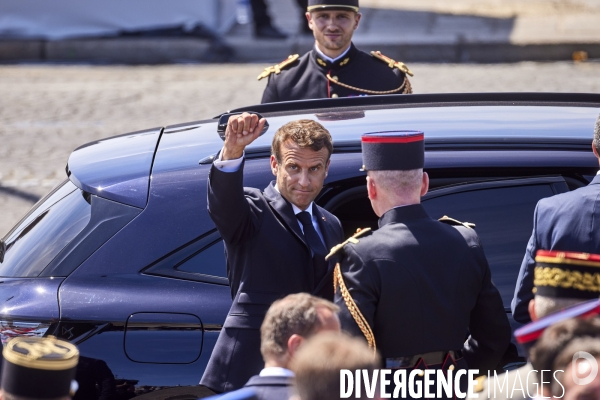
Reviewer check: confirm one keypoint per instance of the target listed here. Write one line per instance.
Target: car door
(502, 212)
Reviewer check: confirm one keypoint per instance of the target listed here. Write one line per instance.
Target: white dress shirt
(276, 371)
(331, 60)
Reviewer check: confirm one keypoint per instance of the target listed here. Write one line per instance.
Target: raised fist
(241, 131)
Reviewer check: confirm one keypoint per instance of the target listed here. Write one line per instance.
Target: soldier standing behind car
(334, 67)
(414, 287)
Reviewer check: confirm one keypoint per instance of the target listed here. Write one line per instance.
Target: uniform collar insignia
(321, 62)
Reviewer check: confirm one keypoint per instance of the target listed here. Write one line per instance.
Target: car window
(504, 222)
(201, 260)
(33, 244)
(209, 261)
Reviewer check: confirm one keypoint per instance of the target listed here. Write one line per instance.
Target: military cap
(529, 334)
(393, 150)
(314, 5)
(567, 274)
(41, 368)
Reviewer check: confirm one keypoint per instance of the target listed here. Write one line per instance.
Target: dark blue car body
(124, 261)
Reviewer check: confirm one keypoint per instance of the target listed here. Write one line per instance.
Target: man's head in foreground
(559, 349)
(394, 163)
(38, 368)
(318, 363)
(300, 155)
(333, 23)
(292, 320)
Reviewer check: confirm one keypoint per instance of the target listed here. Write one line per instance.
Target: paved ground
(47, 111)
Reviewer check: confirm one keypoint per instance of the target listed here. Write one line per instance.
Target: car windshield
(40, 236)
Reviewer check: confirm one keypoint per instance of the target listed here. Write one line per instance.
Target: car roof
(120, 168)
(534, 118)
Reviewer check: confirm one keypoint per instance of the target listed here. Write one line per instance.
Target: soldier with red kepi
(334, 67)
(415, 286)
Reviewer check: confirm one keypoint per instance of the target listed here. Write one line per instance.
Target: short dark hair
(305, 133)
(317, 364)
(295, 314)
(597, 135)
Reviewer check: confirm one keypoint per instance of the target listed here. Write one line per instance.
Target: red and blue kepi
(393, 151)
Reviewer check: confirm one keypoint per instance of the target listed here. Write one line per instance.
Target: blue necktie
(319, 251)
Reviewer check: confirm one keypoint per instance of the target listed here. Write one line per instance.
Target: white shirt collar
(296, 209)
(276, 371)
(331, 60)
(598, 173)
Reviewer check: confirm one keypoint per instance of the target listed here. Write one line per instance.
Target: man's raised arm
(227, 204)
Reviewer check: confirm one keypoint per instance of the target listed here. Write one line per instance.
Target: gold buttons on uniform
(420, 372)
(335, 78)
(451, 368)
(334, 96)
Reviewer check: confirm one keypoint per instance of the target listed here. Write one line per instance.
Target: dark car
(123, 260)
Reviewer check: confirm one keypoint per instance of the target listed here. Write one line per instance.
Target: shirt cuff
(228, 165)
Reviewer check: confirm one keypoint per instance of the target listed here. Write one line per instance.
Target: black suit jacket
(569, 222)
(271, 387)
(267, 259)
(421, 285)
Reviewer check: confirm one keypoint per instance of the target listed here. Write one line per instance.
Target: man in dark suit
(288, 323)
(567, 221)
(334, 67)
(414, 287)
(276, 240)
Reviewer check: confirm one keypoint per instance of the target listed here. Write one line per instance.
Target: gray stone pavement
(409, 30)
(48, 111)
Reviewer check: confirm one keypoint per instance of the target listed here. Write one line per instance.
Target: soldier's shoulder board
(353, 239)
(392, 63)
(278, 67)
(451, 221)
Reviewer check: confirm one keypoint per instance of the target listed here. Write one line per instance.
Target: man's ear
(293, 343)
(531, 309)
(274, 165)
(309, 19)
(425, 184)
(371, 188)
(357, 18)
(595, 150)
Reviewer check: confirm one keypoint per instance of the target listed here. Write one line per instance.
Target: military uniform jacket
(306, 78)
(567, 221)
(420, 285)
(267, 259)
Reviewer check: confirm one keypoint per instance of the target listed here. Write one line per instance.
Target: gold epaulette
(353, 239)
(278, 67)
(446, 219)
(392, 63)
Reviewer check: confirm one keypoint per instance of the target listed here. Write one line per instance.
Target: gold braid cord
(405, 88)
(338, 279)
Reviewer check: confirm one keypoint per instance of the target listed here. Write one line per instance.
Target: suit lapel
(330, 241)
(285, 212)
(326, 228)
